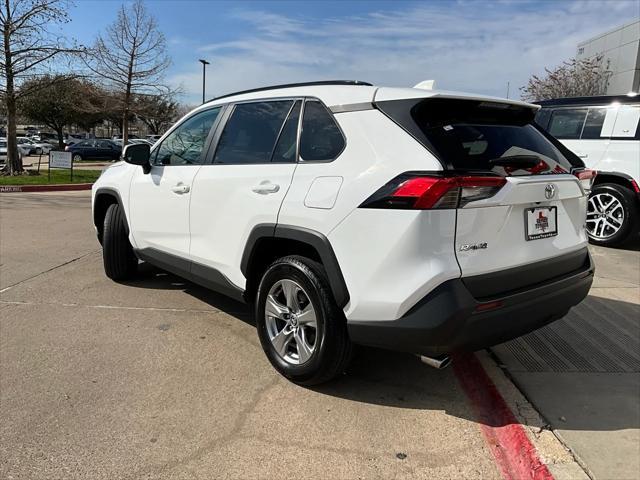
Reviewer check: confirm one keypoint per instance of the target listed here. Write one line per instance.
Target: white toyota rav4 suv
(415, 220)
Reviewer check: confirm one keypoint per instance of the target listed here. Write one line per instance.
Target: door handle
(583, 155)
(180, 189)
(266, 188)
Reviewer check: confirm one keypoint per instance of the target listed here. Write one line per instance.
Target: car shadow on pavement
(401, 380)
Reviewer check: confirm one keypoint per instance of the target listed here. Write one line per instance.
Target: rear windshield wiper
(520, 161)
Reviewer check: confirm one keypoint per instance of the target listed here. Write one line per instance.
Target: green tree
(157, 112)
(61, 101)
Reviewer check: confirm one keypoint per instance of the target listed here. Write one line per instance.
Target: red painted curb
(63, 187)
(515, 455)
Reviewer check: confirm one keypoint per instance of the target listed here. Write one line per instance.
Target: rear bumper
(450, 318)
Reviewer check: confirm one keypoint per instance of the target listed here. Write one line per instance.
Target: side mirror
(138, 154)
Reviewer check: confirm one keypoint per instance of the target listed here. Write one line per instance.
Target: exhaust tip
(436, 362)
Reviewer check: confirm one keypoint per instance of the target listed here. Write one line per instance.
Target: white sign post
(60, 160)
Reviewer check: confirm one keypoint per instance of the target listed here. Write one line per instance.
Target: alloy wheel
(291, 322)
(605, 216)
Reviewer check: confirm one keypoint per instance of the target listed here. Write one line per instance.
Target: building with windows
(621, 50)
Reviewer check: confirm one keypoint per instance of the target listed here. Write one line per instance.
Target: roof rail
(291, 85)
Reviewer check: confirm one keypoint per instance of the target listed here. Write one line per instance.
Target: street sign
(60, 160)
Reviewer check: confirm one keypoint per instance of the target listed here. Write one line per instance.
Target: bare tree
(574, 78)
(131, 56)
(30, 45)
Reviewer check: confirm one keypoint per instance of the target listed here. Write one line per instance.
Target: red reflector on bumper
(484, 307)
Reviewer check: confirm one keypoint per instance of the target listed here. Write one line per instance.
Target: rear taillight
(415, 191)
(586, 177)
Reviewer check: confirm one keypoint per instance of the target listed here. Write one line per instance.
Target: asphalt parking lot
(162, 379)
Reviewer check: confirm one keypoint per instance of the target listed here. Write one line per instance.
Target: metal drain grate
(599, 335)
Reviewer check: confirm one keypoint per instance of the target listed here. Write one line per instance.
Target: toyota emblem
(549, 191)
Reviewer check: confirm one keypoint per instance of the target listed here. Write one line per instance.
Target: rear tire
(615, 224)
(298, 358)
(120, 263)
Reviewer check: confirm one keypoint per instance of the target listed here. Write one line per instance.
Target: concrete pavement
(583, 372)
(160, 378)
(163, 379)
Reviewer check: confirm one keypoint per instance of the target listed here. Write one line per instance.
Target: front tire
(302, 330)
(77, 157)
(120, 263)
(612, 215)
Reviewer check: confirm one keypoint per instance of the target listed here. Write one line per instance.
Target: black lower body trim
(197, 273)
(448, 319)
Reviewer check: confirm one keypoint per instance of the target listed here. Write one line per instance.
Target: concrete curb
(62, 187)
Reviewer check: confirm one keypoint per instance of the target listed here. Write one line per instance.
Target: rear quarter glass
(471, 135)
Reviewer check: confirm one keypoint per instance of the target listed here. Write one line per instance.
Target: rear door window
(286, 148)
(251, 133)
(567, 123)
(485, 136)
(321, 139)
(594, 123)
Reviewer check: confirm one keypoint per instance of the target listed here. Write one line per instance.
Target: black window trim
(286, 119)
(156, 146)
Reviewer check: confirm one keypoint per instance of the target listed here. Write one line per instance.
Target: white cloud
(470, 46)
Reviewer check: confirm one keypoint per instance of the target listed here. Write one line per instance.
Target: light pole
(204, 74)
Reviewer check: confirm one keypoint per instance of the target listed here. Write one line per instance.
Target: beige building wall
(621, 48)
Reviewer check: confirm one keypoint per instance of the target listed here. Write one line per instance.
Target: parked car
(3, 151)
(153, 138)
(31, 147)
(25, 144)
(410, 219)
(119, 137)
(94, 149)
(605, 133)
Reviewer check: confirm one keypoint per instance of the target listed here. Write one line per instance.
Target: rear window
(321, 139)
(486, 136)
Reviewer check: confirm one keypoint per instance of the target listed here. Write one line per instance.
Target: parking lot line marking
(48, 270)
(117, 307)
(514, 453)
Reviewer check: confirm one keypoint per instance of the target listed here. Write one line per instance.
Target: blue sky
(468, 45)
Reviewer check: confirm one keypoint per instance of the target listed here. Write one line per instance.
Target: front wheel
(302, 330)
(120, 263)
(612, 214)
(77, 157)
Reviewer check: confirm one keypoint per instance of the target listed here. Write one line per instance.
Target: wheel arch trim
(314, 239)
(113, 193)
(616, 177)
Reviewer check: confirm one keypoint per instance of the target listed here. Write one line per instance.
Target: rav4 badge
(473, 246)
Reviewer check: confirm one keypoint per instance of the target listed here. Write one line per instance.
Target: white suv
(605, 133)
(415, 220)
